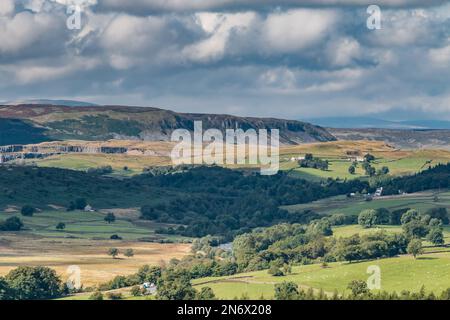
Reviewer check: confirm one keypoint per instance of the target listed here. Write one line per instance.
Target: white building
(379, 192)
(150, 288)
(88, 208)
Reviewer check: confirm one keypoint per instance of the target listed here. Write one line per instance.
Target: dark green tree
(175, 285)
(367, 218)
(351, 169)
(286, 291)
(34, 283)
(415, 247)
(113, 252)
(27, 211)
(206, 293)
(60, 226)
(110, 217)
(358, 288)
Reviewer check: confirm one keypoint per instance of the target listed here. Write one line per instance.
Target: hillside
(150, 124)
(400, 138)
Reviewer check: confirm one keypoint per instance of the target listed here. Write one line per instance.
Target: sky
(291, 59)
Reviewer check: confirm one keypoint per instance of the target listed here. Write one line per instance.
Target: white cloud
(218, 28)
(26, 30)
(440, 56)
(343, 51)
(6, 7)
(296, 29)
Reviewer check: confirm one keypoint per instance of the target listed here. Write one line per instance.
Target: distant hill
(367, 122)
(69, 103)
(400, 138)
(62, 122)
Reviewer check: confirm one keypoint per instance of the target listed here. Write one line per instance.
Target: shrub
(97, 295)
(27, 211)
(114, 296)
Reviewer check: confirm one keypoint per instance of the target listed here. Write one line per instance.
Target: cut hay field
(85, 242)
(90, 255)
(353, 206)
(397, 274)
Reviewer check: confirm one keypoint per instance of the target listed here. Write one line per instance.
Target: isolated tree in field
(110, 217)
(384, 170)
(369, 158)
(27, 211)
(415, 247)
(367, 218)
(113, 252)
(60, 226)
(128, 253)
(286, 291)
(351, 169)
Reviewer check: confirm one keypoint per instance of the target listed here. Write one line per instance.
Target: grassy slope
(397, 274)
(399, 162)
(400, 273)
(86, 225)
(353, 206)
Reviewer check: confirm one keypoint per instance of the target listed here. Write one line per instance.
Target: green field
(397, 274)
(400, 162)
(88, 225)
(353, 206)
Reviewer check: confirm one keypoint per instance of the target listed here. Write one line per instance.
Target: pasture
(421, 201)
(400, 162)
(85, 242)
(397, 274)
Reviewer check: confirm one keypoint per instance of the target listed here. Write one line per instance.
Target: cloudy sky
(286, 58)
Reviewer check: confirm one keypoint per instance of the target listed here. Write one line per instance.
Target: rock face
(99, 123)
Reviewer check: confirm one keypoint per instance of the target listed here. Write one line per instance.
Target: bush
(275, 271)
(61, 226)
(11, 224)
(114, 296)
(136, 291)
(367, 218)
(97, 295)
(27, 211)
